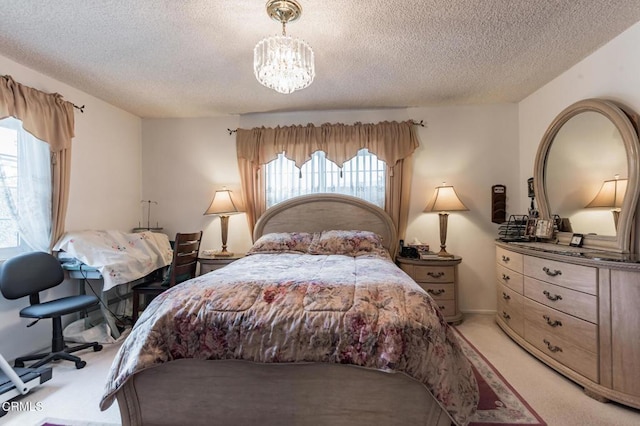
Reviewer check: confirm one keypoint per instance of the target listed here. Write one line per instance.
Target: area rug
(500, 404)
(58, 422)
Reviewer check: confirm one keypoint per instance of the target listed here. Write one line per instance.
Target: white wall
(473, 148)
(184, 161)
(610, 73)
(104, 192)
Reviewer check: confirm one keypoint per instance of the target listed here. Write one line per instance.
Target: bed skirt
(232, 392)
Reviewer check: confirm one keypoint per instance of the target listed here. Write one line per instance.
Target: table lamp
(223, 205)
(444, 200)
(611, 195)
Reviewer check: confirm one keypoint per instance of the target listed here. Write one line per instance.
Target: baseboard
(479, 311)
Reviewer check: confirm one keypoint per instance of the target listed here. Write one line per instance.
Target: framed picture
(576, 240)
(530, 230)
(544, 228)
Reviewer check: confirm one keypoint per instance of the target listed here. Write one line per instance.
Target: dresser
(439, 278)
(575, 311)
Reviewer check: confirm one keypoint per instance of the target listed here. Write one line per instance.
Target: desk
(81, 272)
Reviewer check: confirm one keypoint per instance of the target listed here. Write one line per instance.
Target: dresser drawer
(509, 297)
(511, 279)
(445, 291)
(572, 302)
(576, 277)
(509, 259)
(511, 314)
(567, 328)
(574, 357)
(433, 274)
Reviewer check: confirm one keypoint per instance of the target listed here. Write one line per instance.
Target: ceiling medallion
(280, 62)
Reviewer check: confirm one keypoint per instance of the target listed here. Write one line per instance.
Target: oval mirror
(586, 172)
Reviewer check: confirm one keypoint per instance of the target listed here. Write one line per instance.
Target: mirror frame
(626, 123)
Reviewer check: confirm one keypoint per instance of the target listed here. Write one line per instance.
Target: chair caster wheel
(80, 364)
(18, 364)
(97, 348)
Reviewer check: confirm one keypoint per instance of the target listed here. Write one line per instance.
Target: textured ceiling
(170, 58)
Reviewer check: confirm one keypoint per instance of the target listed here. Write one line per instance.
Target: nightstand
(211, 263)
(439, 278)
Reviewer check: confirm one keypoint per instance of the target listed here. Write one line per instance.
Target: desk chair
(27, 275)
(182, 268)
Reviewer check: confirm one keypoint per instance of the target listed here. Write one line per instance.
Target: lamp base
(444, 253)
(223, 254)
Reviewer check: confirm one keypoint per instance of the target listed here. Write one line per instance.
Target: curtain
(392, 142)
(49, 118)
(30, 205)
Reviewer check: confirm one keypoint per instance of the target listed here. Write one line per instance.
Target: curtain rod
(79, 108)
(415, 123)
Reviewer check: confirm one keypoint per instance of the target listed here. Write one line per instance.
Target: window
(25, 190)
(363, 176)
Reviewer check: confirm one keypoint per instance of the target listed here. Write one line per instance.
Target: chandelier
(280, 62)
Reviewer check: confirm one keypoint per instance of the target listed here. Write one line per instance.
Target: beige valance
(390, 141)
(46, 116)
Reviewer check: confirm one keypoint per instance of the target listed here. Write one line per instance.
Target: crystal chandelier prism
(280, 62)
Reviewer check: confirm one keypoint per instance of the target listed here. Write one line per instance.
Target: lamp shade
(611, 194)
(445, 199)
(222, 204)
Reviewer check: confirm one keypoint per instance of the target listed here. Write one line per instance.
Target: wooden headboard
(325, 212)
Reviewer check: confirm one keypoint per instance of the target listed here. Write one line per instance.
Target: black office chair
(27, 275)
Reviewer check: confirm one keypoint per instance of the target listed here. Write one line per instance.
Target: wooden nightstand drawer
(447, 307)
(439, 278)
(208, 264)
(433, 274)
(446, 291)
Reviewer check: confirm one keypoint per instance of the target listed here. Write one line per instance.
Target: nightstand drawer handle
(555, 323)
(505, 296)
(441, 307)
(506, 315)
(551, 273)
(553, 298)
(505, 277)
(437, 292)
(435, 274)
(505, 258)
(551, 347)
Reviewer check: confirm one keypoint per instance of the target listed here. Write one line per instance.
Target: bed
(316, 326)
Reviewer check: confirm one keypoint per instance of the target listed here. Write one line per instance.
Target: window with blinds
(363, 176)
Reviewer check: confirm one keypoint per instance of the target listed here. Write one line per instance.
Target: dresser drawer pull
(551, 273)
(553, 298)
(505, 277)
(435, 274)
(441, 307)
(505, 296)
(506, 315)
(437, 292)
(505, 258)
(552, 348)
(555, 323)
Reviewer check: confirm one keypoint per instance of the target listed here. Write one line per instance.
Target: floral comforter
(360, 310)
